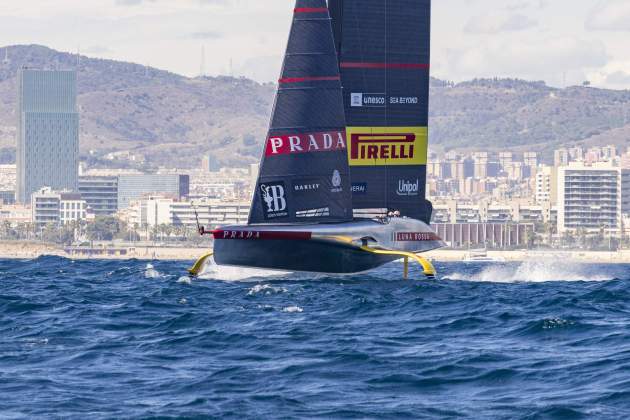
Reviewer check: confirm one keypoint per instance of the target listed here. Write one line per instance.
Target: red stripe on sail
(310, 10)
(307, 79)
(358, 65)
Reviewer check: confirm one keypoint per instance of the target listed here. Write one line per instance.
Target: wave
(212, 271)
(532, 272)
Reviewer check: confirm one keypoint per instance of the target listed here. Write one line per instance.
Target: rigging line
(386, 98)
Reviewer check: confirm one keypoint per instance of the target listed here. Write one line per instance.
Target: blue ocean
(133, 339)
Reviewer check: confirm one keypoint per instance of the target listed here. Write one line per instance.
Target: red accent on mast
(307, 79)
(358, 65)
(310, 10)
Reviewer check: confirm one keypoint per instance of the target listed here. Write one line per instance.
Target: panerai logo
(408, 188)
(273, 197)
(336, 182)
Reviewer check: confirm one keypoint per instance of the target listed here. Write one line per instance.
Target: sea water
(133, 339)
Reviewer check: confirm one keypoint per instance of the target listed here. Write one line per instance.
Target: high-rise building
(561, 157)
(589, 197)
(546, 185)
(481, 164)
(530, 159)
(505, 159)
(576, 153)
(47, 132)
(134, 187)
(625, 191)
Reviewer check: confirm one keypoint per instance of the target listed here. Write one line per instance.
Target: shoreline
(31, 250)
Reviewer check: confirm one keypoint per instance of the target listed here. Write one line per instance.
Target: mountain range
(175, 120)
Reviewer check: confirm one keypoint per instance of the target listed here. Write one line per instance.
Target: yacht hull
(341, 248)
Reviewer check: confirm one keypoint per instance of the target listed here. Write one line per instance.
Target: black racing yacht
(342, 178)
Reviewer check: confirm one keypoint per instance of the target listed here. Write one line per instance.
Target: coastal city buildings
(47, 132)
(160, 210)
(502, 199)
(133, 187)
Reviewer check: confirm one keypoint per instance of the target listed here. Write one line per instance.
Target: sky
(563, 42)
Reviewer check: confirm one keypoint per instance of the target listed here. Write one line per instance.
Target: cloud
(620, 78)
(97, 49)
(205, 35)
(493, 24)
(610, 15)
(533, 59)
(129, 2)
(527, 4)
(263, 68)
(201, 2)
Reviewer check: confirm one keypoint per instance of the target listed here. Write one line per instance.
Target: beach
(27, 250)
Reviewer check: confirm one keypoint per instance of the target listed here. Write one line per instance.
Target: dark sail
(304, 174)
(384, 51)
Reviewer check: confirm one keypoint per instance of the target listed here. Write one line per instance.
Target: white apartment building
(545, 184)
(15, 214)
(154, 211)
(589, 197)
(515, 211)
(59, 208)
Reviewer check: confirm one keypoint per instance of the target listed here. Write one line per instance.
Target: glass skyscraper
(48, 132)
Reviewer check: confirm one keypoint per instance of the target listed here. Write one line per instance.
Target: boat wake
(530, 272)
(212, 271)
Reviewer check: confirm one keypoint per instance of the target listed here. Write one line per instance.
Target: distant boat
(341, 187)
(481, 256)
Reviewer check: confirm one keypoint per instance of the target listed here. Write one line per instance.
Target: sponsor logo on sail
(367, 100)
(359, 188)
(403, 100)
(239, 234)
(386, 146)
(415, 236)
(336, 182)
(330, 141)
(408, 188)
(254, 234)
(274, 200)
(305, 186)
(321, 212)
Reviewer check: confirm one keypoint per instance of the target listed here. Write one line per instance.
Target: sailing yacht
(342, 178)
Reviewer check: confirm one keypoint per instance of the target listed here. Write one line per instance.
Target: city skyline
(561, 42)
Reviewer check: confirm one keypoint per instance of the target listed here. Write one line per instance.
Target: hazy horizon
(561, 42)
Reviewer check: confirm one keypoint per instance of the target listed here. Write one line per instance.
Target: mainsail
(304, 174)
(384, 51)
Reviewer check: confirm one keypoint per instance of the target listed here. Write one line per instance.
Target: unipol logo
(408, 188)
(305, 143)
(275, 202)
